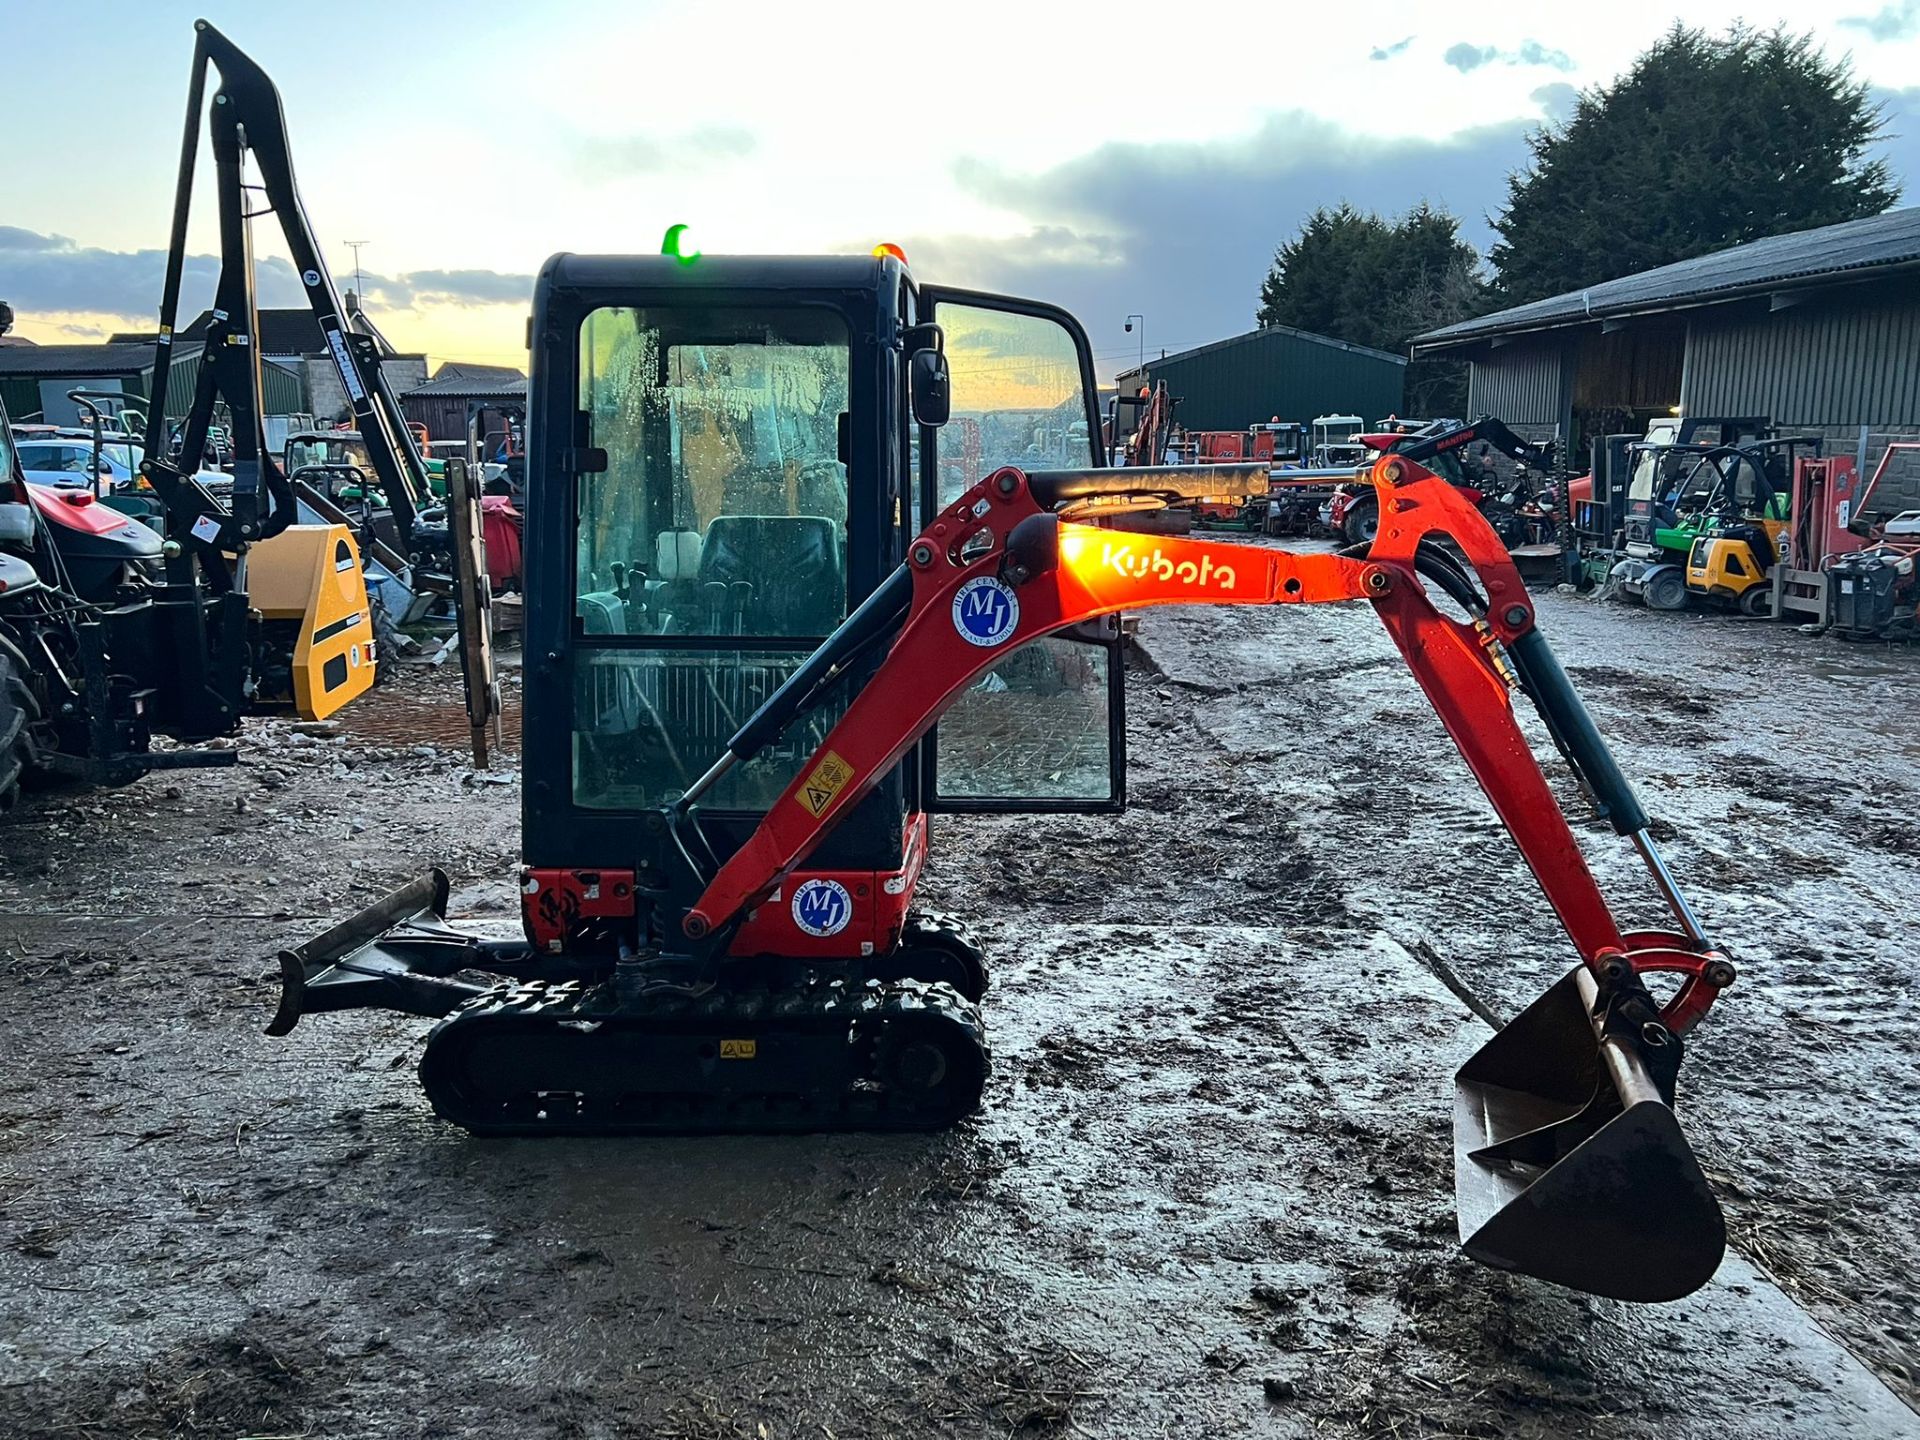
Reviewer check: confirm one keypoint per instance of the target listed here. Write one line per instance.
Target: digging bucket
(1569, 1164)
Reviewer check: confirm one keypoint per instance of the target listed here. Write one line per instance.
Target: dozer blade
(396, 954)
(1569, 1164)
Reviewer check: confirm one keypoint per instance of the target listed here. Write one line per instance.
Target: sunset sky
(1114, 159)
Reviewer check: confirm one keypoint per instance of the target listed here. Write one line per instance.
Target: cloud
(609, 157)
(1900, 21)
(464, 288)
(1532, 52)
(1189, 237)
(1387, 52)
(50, 274)
(1556, 100)
(1467, 58)
(14, 238)
(1900, 144)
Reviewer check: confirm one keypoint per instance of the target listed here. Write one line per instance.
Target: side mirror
(931, 387)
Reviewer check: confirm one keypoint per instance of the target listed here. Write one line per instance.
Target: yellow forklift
(1740, 528)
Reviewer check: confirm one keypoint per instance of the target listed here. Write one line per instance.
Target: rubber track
(817, 1043)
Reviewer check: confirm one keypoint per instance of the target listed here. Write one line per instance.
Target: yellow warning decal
(739, 1049)
(828, 779)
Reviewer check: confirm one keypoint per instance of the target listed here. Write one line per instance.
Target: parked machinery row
(1730, 513)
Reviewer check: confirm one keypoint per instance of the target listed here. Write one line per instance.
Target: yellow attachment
(310, 574)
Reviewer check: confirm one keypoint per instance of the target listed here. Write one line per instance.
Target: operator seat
(792, 564)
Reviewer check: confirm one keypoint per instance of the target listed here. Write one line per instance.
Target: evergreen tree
(1706, 142)
(1379, 282)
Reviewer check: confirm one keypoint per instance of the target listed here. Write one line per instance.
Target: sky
(1117, 159)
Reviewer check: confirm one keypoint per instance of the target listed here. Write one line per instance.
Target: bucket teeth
(1569, 1164)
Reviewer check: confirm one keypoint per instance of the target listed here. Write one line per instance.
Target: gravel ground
(1210, 1193)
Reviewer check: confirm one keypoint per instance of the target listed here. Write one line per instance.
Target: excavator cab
(723, 465)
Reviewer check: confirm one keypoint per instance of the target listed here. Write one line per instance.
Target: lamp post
(1143, 336)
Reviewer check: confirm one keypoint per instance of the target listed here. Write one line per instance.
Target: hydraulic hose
(1560, 706)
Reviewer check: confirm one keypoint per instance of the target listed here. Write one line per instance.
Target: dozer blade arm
(1566, 1149)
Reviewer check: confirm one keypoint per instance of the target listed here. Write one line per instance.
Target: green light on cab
(678, 242)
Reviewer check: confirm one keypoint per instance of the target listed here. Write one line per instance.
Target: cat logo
(739, 1049)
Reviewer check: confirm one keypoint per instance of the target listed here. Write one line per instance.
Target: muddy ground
(1210, 1193)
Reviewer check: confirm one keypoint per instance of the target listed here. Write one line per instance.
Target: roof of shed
(1267, 332)
(80, 361)
(461, 380)
(282, 332)
(1853, 249)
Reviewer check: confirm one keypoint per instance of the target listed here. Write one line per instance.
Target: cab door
(1045, 729)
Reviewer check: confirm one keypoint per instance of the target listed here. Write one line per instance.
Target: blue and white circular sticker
(985, 611)
(822, 907)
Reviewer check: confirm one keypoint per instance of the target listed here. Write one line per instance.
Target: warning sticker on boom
(828, 779)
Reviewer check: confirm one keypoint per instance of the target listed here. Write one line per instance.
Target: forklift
(772, 629)
(1673, 472)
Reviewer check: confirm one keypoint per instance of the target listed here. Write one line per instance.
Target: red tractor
(1442, 446)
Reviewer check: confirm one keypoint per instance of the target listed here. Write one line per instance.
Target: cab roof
(723, 272)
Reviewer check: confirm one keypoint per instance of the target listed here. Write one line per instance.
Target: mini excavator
(771, 627)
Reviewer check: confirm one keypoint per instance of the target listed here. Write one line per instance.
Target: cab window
(1017, 396)
(722, 510)
(710, 543)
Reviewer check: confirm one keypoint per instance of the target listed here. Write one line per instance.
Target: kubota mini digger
(755, 582)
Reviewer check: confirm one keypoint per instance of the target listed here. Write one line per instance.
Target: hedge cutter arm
(1569, 1163)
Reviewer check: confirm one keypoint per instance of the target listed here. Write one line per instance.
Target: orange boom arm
(999, 568)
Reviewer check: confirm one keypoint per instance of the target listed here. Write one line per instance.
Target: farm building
(1274, 372)
(1818, 330)
(35, 379)
(291, 339)
(460, 389)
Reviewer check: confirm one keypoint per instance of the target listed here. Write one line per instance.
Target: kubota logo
(1144, 565)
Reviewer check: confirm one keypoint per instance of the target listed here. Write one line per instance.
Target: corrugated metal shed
(1838, 364)
(1293, 374)
(27, 372)
(1526, 388)
(76, 362)
(280, 388)
(1855, 250)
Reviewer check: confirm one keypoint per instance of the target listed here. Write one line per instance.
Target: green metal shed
(1275, 372)
(34, 379)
